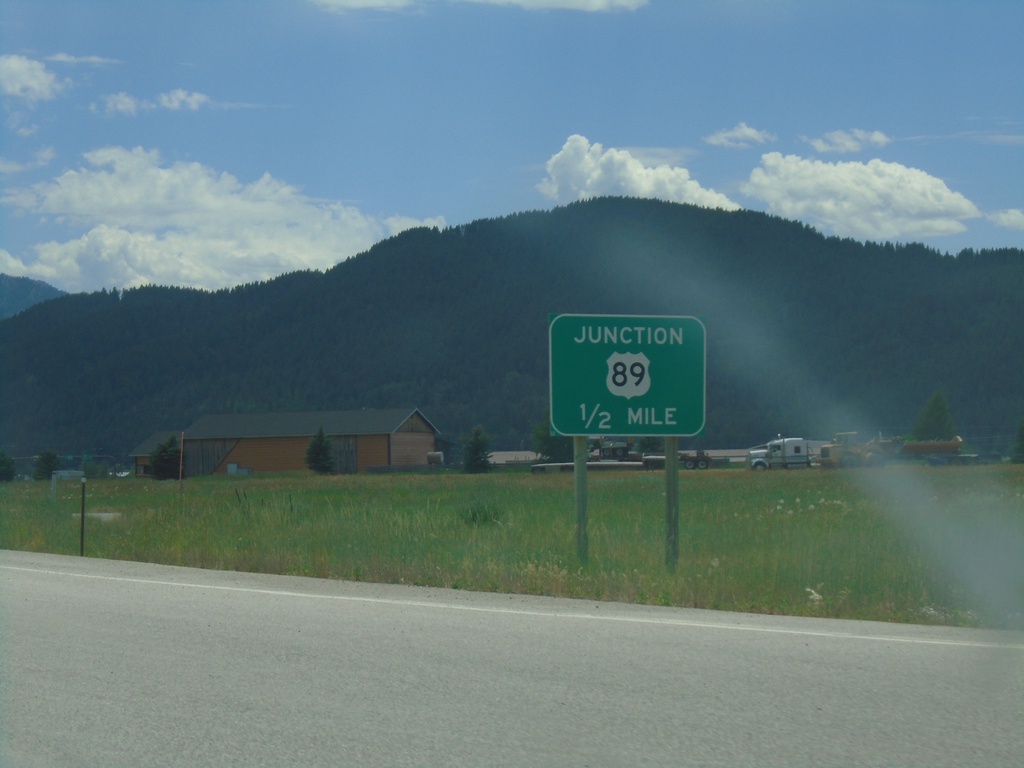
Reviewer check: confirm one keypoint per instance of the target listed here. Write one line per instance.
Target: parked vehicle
(687, 460)
(847, 450)
(781, 453)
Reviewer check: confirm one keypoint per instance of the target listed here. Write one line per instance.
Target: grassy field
(911, 544)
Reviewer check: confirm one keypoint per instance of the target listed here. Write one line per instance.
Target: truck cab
(845, 450)
(781, 453)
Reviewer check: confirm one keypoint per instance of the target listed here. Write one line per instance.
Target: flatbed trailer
(687, 460)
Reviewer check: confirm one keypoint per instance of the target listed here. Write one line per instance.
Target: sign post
(81, 541)
(631, 376)
(671, 502)
(579, 455)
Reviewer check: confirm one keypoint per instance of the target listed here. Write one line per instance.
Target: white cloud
(873, 200)
(341, 6)
(41, 158)
(1012, 218)
(655, 156)
(11, 266)
(848, 141)
(582, 170)
(182, 99)
(184, 224)
(27, 79)
(66, 58)
(1003, 139)
(741, 136)
(19, 124)
(125, 104)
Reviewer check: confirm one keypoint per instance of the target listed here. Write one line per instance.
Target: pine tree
(935, 421)
(47, 463)
(477, 452)
(1018, 449)
(551, 448)
(165, 460)
(319, 456)
(6, 467)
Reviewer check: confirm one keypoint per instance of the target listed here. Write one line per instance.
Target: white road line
(665, 621)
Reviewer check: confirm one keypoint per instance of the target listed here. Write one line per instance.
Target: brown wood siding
(372, 451)
(410, 449)
(202, 457)
(415, 423)
(267, 454)
(343, 450)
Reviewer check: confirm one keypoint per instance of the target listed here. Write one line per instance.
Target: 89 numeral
(621, 374)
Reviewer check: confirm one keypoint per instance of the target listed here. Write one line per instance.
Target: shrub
(477, 453)
(319, 456)
(165, 460)
(1018, 448)
(6, 468)
(47, 463)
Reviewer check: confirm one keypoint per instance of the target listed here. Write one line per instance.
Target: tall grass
(806, 542)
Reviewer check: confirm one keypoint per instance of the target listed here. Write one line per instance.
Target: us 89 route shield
(627, 375)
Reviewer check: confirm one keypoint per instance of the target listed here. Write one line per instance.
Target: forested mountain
(806, 334)
(18, 293)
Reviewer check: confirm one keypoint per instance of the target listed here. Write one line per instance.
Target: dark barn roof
(302, 423)
(147, 446)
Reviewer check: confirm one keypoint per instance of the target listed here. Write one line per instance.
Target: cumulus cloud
(340, 6)
(873, 200)
(741, 136)
(27, 79)
(848, 141)
(582, 170)
(184, 224)
(122, 103)
(1012, 218)
(182, 99)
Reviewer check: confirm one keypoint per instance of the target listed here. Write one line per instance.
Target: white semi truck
(781, 453)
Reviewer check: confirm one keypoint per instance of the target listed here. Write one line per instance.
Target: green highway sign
(626, 375)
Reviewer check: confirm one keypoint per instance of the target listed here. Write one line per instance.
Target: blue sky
(212, 143)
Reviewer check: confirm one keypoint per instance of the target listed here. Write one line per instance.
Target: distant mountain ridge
(806, 334)
(20, 293)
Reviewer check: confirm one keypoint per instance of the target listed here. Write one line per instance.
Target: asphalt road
(127, 664)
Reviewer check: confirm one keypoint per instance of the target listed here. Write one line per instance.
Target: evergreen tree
(6, 467)
(935, 421)
(47, 463)
(319, 456)
(1018, 449)
(554, 448)
(477, 452)
(165, 460)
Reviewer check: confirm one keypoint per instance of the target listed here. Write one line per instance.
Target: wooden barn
(241, 443)
(142, 452)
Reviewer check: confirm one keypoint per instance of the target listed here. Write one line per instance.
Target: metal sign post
(671, 502)
(627, 375)
(579, 448)
(81, 544)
